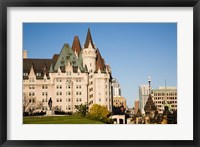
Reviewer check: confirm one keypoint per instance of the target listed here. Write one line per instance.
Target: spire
(51, 68)
(100, 63)
(76, 46)
(149, 106)
(88, 39)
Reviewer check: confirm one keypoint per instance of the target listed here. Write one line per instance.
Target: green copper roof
(68, 55)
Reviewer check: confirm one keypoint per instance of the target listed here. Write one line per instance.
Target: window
(25, 74)
(38, 74)
(60, 100)
(99, 99)
(79, 86)
(57, 100)
(80, 99)
(79, 93)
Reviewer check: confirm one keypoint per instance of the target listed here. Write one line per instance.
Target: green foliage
(82, 109)
(100, 113)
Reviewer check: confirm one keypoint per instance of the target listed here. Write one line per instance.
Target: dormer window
(38, 74)
(25, 74)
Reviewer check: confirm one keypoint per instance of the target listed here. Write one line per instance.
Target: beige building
(165, 96)
(136, 106)
(119, 101)
(78, 75)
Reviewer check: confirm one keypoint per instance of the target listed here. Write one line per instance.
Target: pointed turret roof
(150, 106)
(100, 63)
(88, 39)
(76, 46)
(51, 68)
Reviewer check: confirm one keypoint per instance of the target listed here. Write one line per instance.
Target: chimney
(25, 54)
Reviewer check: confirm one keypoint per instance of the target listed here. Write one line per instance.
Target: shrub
(100, 113)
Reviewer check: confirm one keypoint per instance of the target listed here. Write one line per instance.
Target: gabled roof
(68, 55)
(88, 39)
(76, 46)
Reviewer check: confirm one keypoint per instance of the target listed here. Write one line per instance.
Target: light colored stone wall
(161, 95)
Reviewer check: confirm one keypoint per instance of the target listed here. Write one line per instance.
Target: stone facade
(75, 76)
(165, 96)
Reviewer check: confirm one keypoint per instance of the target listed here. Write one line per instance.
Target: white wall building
(143, 96)
(116, 88)
(75, 76)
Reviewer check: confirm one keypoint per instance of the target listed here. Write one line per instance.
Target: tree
(100, 113)
(82, 109)
(30, 105)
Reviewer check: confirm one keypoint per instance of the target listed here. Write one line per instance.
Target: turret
(89, 53)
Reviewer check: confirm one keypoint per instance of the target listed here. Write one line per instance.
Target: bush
(100, 113)
(81, 109)
(34, 114)
(60, 112)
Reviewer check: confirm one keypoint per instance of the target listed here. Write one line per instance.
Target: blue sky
(133, 50)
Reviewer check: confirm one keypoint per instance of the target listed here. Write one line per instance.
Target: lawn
(68, 119)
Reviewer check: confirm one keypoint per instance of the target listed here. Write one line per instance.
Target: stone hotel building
(77, 75)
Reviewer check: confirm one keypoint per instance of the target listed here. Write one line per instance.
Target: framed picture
(99, 72)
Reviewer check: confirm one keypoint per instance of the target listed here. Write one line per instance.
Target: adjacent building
(77, 75)
(143, 96)
(165, 96)
(119, 101)
(116, 88)
(136, 106)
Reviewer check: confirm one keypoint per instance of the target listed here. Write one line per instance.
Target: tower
(150, 107)
(89, 53)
